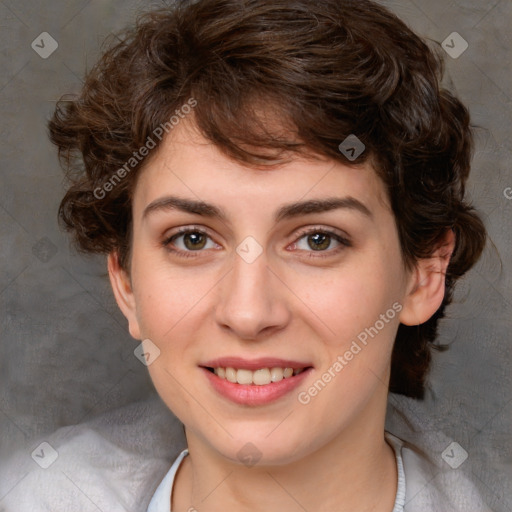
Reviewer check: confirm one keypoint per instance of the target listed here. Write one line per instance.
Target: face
(298, 266)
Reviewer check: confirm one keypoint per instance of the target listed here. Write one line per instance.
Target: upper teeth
(259, 377)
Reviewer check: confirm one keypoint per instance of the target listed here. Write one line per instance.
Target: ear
(122, 288)
(427, 284)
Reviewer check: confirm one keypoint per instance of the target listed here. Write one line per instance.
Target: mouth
(256, 382)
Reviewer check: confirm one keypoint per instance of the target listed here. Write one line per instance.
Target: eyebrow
(285, 212)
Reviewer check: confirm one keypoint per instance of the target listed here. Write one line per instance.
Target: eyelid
(321, 229)
(187, 229)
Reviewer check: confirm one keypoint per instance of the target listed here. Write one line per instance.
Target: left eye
(320, 241)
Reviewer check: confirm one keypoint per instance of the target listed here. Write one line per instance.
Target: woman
(279, 188)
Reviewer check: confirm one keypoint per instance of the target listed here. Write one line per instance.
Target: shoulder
(430, 487)
(113, 462)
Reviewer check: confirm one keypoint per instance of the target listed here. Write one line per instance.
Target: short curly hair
(329, 69)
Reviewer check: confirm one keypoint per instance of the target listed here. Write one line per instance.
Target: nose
(252, 300)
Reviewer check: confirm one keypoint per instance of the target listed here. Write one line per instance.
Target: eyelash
(190, 254)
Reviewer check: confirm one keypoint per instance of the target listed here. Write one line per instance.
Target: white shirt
(119, 462)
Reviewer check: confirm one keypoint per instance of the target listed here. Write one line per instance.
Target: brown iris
(320, 241)
(194, 240)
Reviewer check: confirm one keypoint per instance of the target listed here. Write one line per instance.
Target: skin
(290, 303)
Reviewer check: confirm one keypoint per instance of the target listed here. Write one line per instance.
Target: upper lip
(254, 364)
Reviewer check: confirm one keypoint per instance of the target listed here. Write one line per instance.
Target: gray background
(66, 352)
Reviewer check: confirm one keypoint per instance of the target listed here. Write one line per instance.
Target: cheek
(347, 300)
(168, 306)
(166, 297)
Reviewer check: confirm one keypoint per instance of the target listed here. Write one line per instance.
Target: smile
(254, 382)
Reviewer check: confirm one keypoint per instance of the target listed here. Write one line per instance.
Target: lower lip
(251, 394)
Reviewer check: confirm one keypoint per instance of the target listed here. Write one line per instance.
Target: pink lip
(252, 394)
(254, 364)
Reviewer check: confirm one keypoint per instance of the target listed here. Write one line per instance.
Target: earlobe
(427, 284)
(123, 293)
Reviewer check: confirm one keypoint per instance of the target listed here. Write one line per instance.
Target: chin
(261, 449)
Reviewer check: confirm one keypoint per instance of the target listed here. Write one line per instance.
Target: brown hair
(329, 69)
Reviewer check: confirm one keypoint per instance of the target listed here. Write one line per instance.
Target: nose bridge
(249, 301)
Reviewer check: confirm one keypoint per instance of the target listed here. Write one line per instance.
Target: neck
(355, 471)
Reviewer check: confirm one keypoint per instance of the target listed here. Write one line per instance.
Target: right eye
(188, 240)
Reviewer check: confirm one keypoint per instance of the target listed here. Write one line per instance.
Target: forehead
(188, 165)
